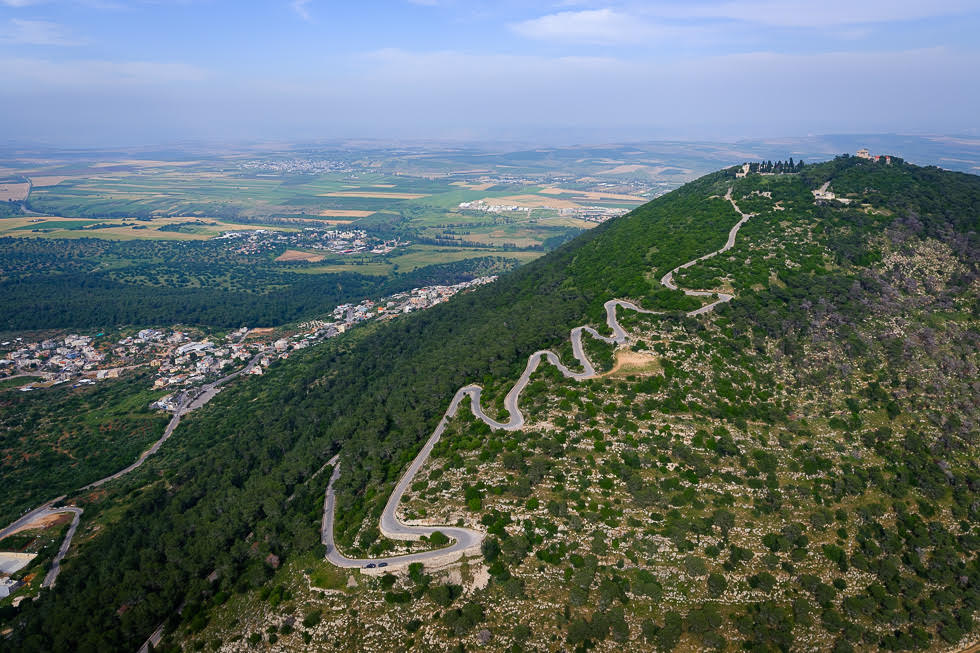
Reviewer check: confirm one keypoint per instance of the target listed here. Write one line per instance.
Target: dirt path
(631, 362)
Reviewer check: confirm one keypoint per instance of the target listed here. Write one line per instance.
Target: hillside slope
(811, 445)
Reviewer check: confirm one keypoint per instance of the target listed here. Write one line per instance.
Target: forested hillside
(796, 470)
(57, 441)
(91, 283)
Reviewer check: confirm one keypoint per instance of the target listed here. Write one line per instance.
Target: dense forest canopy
(91, 283)
(375, 395)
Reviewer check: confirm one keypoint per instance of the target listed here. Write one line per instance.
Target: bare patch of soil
(296, 255)
(632, 362)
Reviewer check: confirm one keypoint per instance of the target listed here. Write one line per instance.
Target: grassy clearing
(122, 228)
(414, 257)
(628, 362)
(376, 269)
(6, 384)
(326, 576)
(299, 255)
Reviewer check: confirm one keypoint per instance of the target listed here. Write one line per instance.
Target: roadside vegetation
(796, 471)
(55, 440)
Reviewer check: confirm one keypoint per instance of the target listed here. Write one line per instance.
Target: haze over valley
(421, 325)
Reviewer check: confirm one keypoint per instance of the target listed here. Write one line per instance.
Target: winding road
(467, 539)
(184, 406)
(55, 569)
(187, 403)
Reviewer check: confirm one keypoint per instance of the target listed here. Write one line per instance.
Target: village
(596, 214)
(344, 242)
(294, 166)
(184, 359)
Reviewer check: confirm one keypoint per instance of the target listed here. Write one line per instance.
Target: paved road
(668, 279)
(466, 538)
(39, 513)
(167, 432)
(209, 390)
(28, 517)
(55, 569)
(153, 640)
(186, 405)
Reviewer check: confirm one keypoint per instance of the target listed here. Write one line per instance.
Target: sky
(126, 72)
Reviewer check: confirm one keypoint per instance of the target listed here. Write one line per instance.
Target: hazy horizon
(104, 72)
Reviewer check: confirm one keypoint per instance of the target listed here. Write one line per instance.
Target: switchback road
(468, 539)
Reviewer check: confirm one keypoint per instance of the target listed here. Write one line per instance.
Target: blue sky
(94, 72)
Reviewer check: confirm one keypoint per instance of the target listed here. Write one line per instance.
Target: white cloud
(300, 7)
(599, 26)
(628, 22)
(86, 73)
(826, 13)
(20, 3)
(35, 32)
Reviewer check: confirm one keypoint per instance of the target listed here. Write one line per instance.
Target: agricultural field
(136, 201)
(215, 233)
(174, 228)
(16, 191)
(472, 199)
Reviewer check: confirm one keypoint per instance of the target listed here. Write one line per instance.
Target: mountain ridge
(309, 409)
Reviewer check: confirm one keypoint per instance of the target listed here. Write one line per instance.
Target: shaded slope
(371, 396)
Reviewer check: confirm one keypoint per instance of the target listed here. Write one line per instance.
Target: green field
(206, 192)
(412, 258)
(58, 439)
(94, 235)
(221, 189)
(7, 384)
(184, 204)
(122, 228)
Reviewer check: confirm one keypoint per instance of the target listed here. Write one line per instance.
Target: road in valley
(466, 539)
